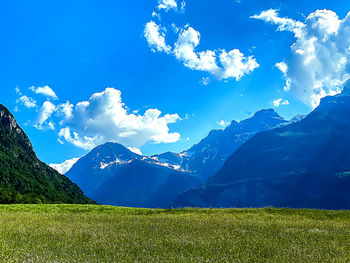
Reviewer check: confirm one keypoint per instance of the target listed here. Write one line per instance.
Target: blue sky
(78, 48)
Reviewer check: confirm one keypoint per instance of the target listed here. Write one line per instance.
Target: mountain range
(261, 161)
(207, 157)
(23, 177)
(112, 174)
(302, 165)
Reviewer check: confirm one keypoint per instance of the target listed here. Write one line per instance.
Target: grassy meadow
(89, 233)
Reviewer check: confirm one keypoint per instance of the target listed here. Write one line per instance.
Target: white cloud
(155, 14)
(172, 118)
(45, 112)
(284, 24)
(183, 6)
(236, 65)
(319, 64)
(288, 84)
(50, 125)
(18, 91)
(104, 118)
(175, 28)
(283, 67)
(135, 150)
(285, 102)
(205, 81)
(155, 36)
(28, 102)
(86, 143)
(220, 63)
(64, 167)
(65, 110)
(45, 90)
(184, 50)
(233, 63)
(167, 5)
(279, 102)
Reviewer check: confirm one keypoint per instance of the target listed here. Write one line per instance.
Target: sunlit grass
(77, 233)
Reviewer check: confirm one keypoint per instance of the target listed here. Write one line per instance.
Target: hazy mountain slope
(90, 171)
(23, 177)
(305, 164)
(112, 174)
(142, 184)
(169, 157)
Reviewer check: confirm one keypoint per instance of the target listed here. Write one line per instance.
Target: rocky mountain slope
(207, 157)
(305, 164)
(23, 177)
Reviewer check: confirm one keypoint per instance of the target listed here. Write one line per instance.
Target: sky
(157, 76)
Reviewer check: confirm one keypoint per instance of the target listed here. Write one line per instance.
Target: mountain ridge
(302, 165)
(113, 175)
(23, 177)
(207, 157)
(111, 165)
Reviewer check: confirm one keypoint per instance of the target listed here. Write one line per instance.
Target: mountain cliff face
(305, 164)
(207, 157)
(23, 177)
(113, 175)
(204, 159)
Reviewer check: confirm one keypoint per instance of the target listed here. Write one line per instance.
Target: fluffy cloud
(220, 63)
(283, 67)
(28, 102)
(319, 63)
(85, 142)
(184, 50)
(171, 118)
(280, 102)
(104, 118)
(167, 5)
(45, 90)
(45, 112)
(65, 110)
(284, 24)
(235, 64)
(64, 167)
(48, 108)
(156, 37)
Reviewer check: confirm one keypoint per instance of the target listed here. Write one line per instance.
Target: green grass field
(76, 233)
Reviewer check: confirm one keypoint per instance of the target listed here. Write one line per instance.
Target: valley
(88, 233)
